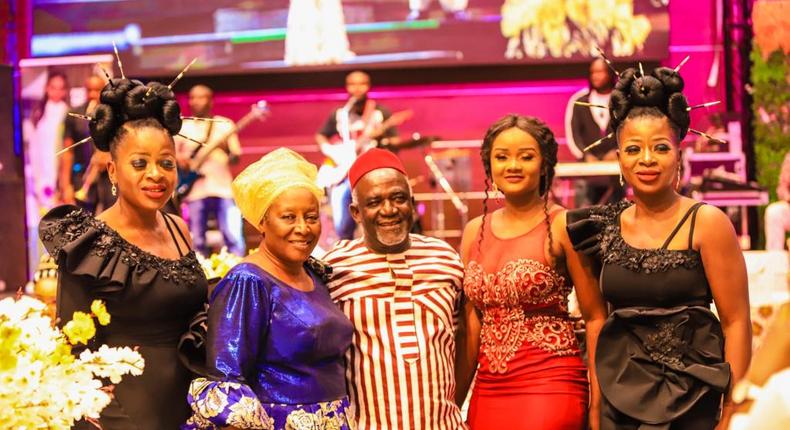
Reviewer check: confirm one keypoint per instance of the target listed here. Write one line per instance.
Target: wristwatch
(745, 390)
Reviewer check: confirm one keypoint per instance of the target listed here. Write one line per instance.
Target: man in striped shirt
(401, 292)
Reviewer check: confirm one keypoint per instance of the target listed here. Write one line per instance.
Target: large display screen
(243, 36)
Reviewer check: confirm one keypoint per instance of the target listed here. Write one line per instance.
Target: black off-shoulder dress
(151, 301)
(660, 355)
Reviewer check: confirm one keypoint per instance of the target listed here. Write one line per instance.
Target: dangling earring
(495, 188)
(114, 190)
(677, 185)
(622, 181)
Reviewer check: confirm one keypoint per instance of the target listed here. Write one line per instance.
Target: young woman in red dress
(520, 263)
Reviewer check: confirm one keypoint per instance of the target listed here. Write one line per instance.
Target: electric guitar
(188, 177)
(342, 154)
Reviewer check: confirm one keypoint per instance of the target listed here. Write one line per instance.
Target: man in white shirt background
(211, 193)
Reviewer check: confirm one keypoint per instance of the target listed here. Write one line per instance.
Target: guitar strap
(205, 140)
(367, 113)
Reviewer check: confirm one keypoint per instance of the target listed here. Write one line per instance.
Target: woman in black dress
(662, 360)
(135, 257)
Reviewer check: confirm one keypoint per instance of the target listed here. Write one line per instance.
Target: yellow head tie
(259, 185)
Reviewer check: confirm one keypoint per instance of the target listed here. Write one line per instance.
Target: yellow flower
(100, 312)
(80, 329)
(62, 354)
(8, 346)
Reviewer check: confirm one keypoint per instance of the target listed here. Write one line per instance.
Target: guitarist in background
(211, 193)
(360, 121)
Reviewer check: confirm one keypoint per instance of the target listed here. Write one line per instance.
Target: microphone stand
(441, 179)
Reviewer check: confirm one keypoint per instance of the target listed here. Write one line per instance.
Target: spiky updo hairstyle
(128, 105)
(657, 95)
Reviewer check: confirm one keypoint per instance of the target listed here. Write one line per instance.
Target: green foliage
(771, 115)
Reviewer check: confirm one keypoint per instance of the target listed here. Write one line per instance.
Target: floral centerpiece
(42, 384)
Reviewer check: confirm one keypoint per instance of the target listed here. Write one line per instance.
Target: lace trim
(616, 251)
(503, 297)
(665, 345)
(505, 330)
(75, 224)
(517, 283)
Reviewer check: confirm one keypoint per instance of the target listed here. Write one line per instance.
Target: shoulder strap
(169, 220)
(692, 209)
(694, 220)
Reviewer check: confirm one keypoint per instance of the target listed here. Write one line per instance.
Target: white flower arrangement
(42, 385)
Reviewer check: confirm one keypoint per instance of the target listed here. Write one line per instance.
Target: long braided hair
(548, 151)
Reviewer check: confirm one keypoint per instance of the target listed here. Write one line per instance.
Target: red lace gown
(530, 373)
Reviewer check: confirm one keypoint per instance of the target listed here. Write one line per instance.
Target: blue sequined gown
(274, 356)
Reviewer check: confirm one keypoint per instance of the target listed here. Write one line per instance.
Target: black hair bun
(671, 79)
(171, 116)
(677, 110)
(161, 91)
(124, 100)
(648, 91)
(134, 103)
(625, 80)
(660, 90)
(103, 127)
(618, 107)
(115, 91)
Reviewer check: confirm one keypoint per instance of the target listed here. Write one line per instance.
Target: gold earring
(622, 180)
(114, 190)
(495, 188)
(677, 185)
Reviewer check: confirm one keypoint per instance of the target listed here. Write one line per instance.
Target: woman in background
(43, 134)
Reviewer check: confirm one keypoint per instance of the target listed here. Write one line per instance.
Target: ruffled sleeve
(81, 248)
(589, 228)
(86, 247)
(238, 322)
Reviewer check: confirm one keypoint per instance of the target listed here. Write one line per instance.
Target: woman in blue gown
(275, 340)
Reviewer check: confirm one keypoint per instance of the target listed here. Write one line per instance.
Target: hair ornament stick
(118, 58)
(580, 103)
(175, 80)
(677, 68)
(66, 149)
(80, 116)
(598, 142)
(197, 118)
(707, 136)
(606, 60)
(191, 139)
(708, 104)
(107, 75)
(181, 75)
